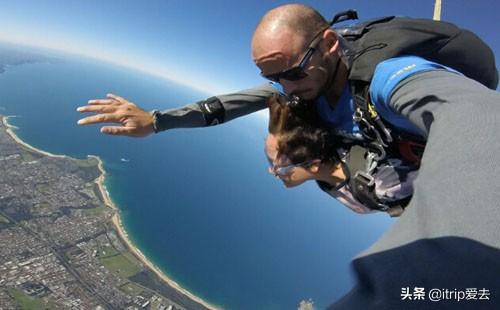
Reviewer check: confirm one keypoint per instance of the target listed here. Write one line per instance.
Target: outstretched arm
(216, 110)
(133, 121)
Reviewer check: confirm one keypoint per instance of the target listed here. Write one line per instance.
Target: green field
(107, 251)
(27, 302)
(94, 211)
(89, 162)
(124, 265)
(131, 289)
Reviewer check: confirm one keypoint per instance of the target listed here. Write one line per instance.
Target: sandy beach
(115, 219)
(123, 234)
(11, 133)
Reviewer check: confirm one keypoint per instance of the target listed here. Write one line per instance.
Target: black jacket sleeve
(215, 110)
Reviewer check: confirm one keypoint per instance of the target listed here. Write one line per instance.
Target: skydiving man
(390, 102)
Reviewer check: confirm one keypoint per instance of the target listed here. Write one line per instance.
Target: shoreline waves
(116, 220)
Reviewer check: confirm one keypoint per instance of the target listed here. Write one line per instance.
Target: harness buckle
(365, 179)
(380, 149)
(365, 186)
(358, 115)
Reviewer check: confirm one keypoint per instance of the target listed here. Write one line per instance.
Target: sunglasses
(285, 170)
(297, 72)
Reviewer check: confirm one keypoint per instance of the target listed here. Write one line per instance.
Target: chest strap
(379, 134)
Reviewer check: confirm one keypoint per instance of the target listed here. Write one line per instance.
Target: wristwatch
(155, 114)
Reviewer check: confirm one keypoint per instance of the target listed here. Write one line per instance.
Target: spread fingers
(99, 118)
(97, 108)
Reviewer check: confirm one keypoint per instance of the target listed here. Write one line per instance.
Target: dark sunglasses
(297, 72)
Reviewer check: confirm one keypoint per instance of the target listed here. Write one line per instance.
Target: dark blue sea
(198, 202)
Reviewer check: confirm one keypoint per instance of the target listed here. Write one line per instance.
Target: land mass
(61, 241)
(11, 55)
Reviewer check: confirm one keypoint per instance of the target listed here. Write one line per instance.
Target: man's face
(286, 51)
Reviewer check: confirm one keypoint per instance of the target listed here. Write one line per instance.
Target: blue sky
(205, 44)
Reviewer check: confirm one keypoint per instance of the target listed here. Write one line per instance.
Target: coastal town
(62, 245)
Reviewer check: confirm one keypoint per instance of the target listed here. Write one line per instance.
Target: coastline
(12, 134)
(124, 236)
(116, 220)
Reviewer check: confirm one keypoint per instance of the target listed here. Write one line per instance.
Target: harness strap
(362, 183)
(380, 135)
(370, 123)
(356, 159)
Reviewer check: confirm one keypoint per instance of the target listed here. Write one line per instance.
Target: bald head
(290, 20)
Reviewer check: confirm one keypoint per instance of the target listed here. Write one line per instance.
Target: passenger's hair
(300, 132)
(282, 118)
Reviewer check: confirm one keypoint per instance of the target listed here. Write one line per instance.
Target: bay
(199, 203)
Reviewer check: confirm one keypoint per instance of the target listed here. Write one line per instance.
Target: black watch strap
(156, 118)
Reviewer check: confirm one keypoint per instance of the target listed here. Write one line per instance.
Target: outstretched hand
(134, 121)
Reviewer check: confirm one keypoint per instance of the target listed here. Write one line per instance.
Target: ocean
(198, 203)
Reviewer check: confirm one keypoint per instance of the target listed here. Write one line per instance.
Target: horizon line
(144, 68)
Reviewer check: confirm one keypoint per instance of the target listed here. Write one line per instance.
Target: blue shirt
(340, 118)
(388, 74)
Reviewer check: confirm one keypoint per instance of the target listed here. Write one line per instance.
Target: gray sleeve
(215, 110)
(419, 104)
(448, 236)
(459, 171)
